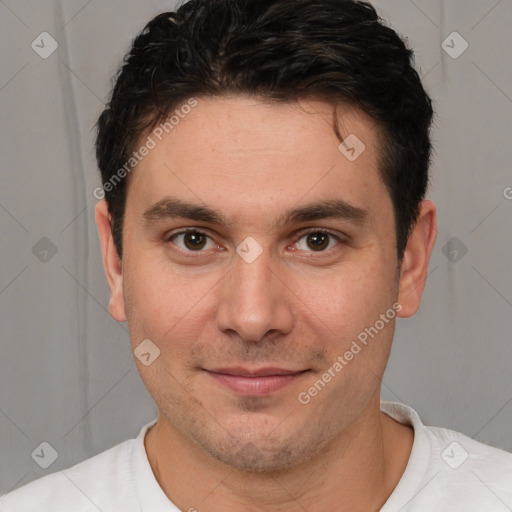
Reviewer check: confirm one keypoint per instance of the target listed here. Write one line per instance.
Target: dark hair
(283, 50)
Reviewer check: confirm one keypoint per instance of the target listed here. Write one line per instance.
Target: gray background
(66, 371)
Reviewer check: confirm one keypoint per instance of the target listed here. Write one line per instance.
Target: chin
(249, 457)
(261, 453)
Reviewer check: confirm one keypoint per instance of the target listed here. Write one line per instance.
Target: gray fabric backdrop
(66, 371)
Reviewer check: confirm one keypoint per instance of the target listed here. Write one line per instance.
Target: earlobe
(111, 262)
(414, 267)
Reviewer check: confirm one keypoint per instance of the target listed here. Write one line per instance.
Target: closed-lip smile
(255, 381)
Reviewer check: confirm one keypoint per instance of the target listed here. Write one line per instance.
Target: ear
(111, 262)
(414, 266)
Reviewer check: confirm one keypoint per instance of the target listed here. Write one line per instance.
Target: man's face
(292, 299)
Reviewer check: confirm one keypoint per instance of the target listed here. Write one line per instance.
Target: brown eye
(194, 241)
(317, 241)
(191, 240)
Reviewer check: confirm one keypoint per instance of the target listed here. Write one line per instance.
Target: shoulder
(465, 459)
(84, 487)
(450, 469)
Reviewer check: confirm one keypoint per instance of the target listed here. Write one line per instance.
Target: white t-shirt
(447, 471)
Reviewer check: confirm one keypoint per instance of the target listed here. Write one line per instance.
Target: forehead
(248, 154)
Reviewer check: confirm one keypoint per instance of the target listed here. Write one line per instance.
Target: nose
(254, 300)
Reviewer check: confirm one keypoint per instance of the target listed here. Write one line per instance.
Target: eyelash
(301, 234)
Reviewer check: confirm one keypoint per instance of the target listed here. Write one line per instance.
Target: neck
(358, 471)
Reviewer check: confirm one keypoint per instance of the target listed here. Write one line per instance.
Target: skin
(294, 307)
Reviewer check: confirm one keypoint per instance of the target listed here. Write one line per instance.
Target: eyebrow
(170, 208)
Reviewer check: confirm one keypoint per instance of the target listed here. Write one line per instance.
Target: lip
(255, 382)
(259, 372)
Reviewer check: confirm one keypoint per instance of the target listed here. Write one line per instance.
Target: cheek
(347, 299)
(165, 305)
(343, 312)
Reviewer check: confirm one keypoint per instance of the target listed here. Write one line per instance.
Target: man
(265, 166)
